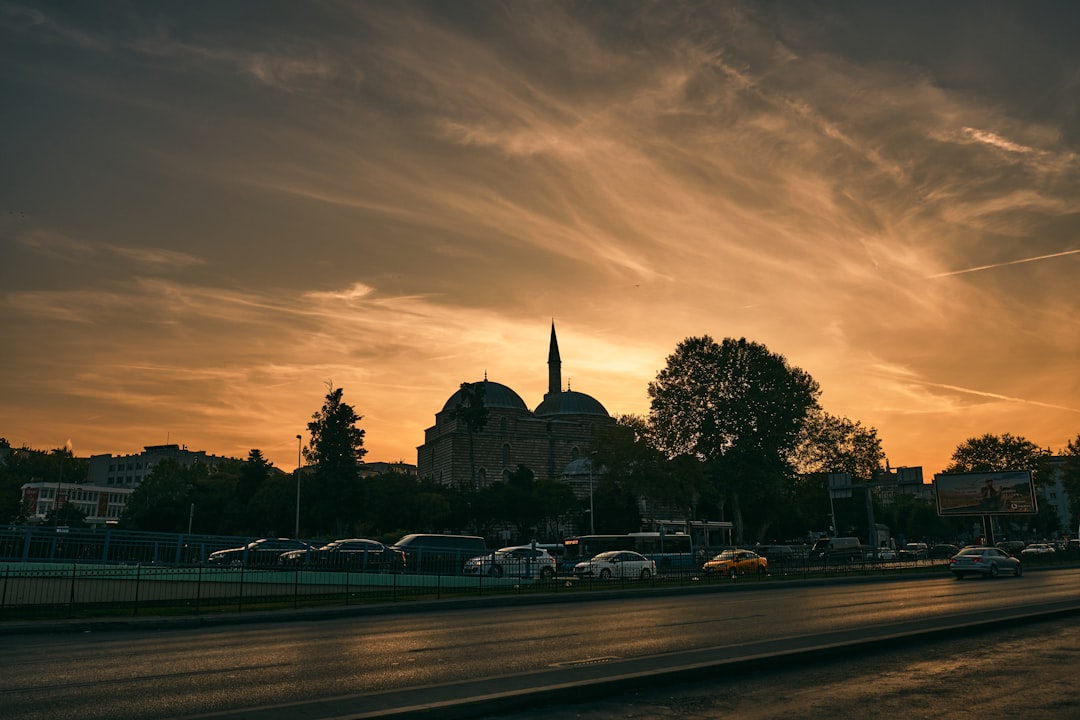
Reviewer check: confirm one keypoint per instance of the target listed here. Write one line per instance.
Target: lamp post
(298, 443)
(592, 513)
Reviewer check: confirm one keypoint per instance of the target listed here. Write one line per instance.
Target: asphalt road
(428, 662)
(1010, 672)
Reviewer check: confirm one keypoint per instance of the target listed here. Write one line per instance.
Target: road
(1013, 672)
(371, 663)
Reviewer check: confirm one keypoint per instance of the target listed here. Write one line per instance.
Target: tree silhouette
(335, 453)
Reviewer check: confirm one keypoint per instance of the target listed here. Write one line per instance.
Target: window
(506, 454)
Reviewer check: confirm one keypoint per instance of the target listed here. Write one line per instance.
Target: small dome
(496, 395)
(570, 403)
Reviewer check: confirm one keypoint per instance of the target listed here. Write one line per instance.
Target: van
(442, 554)
(846, 549)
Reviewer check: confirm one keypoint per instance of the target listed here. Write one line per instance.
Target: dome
(570, 403)
(496, 395)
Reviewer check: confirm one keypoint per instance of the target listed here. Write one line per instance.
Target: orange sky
(208, 214)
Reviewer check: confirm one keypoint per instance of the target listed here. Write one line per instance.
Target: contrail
(996, 396)
(1011, 262)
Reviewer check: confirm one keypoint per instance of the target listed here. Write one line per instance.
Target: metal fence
(78, 573)
(109, 546)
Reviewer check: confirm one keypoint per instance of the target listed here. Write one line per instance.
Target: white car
(1037, 549)
(523, 561)
(616, 564)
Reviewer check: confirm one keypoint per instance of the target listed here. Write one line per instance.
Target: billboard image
(985, 493)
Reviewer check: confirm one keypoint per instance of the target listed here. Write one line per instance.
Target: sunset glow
(212, 211)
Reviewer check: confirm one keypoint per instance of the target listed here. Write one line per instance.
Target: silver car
(617, 564)
(985, 561)
(522, 561)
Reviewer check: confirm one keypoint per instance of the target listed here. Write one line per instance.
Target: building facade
(130, 470)
(563, 428)
(100, 505)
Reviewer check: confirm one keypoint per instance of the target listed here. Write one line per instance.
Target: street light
(298, 442)
(592, 514)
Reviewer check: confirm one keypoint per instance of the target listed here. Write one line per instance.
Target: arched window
(506, 455)
(574, 453)
(481, 477)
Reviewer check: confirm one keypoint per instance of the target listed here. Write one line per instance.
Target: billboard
(1010, 492)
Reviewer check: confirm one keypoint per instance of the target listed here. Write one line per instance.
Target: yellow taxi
(736, 562)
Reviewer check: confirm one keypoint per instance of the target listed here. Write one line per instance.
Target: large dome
(570, 403)
(496, 395)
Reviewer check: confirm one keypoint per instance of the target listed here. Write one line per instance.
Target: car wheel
(645, 574)
(733, 574)
(761, 571)
(546, 573)
(1019, 570)
(993, 571)
(605, 574)
(495, 571)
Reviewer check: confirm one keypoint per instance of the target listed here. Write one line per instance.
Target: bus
(670, 551)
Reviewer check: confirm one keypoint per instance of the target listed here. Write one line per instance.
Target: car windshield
(972, 551)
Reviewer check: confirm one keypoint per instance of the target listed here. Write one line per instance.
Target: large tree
(163, 500)
(739, 408)
(1070, 477)
(831, 444)
(335, 453)
(993, 453)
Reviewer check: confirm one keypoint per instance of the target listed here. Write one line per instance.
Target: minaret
(554, 365)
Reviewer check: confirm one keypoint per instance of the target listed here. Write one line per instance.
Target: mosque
(554, 440)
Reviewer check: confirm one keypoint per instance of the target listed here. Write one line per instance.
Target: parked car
(523, 561)
(776, 554)
(985, 561)
(257, 553)
(943, 551)
(736, 562)
(1013, 547)
(616, 564)
(435, 553)
(348, 554)
(882, 554)
(1037, 550)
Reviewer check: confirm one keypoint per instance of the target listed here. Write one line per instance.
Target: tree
(335, 453)
(831, 444)
(23, 465)
(1070, 476)
(994, 453)
(162, 502)
(738, 407)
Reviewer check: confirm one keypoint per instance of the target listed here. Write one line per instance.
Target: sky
(211, 213)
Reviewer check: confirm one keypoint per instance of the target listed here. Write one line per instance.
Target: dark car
(356, 554)
(257, 553)
(776, 554)
(943, 551)
(436, 553)
(914, 551)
